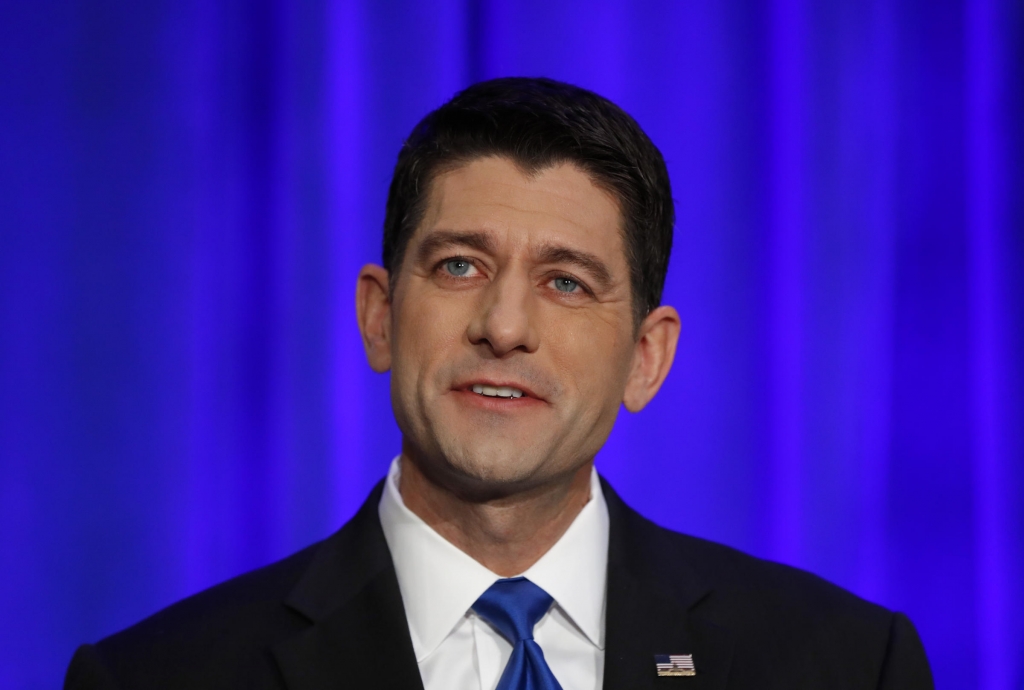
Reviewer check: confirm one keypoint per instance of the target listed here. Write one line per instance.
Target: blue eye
(566, 285)
(458, 267)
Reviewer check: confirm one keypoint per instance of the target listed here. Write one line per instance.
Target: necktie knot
(513, 606)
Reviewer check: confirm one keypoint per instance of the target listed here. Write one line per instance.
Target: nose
(505, 320)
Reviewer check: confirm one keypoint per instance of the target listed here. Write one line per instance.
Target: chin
(492, 468)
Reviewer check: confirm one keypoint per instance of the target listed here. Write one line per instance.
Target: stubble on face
(506, 323)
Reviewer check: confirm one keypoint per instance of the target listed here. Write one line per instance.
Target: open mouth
(497, 391)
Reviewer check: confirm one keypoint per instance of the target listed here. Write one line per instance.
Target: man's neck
(507, 535)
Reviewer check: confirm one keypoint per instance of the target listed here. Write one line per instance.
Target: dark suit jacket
(331, 616)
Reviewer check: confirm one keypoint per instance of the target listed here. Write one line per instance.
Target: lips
(497, 391)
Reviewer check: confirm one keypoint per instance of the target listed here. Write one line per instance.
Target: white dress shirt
(458, 650)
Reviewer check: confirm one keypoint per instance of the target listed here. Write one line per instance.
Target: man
(526, 242)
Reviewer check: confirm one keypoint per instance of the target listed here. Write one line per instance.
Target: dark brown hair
(537, 123)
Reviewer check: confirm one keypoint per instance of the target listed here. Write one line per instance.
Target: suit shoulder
(226, 636)
(773, 585)
(784, 615)
(235, 618)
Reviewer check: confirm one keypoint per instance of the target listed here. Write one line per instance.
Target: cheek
(593, 356)
(427, 331)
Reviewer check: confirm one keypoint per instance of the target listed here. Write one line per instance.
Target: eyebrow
(443, 239)
(556, 254)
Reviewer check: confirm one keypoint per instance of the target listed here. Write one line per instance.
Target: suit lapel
(359, 636)
(653, 607)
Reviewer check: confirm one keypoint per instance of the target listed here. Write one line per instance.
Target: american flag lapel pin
(675, 664)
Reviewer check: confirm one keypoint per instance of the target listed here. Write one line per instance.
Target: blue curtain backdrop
(188, 188)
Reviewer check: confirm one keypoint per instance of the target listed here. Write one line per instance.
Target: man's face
(511, 326)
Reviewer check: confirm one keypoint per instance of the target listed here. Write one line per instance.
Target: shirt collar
(575, 570)
(439, 582)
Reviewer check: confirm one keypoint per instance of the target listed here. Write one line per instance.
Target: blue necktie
(513, 607)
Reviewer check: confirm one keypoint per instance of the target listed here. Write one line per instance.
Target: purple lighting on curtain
(188, 190)
(784, 255)
(997, 450)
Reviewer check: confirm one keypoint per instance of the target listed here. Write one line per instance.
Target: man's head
(537, 123)
(527, 236)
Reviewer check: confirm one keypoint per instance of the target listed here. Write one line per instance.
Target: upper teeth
(498, 391)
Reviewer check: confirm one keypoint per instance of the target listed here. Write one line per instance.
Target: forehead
(559, 204)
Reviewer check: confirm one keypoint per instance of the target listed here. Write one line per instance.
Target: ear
(652, 357)
(373, 311)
